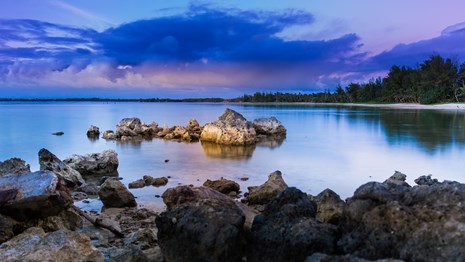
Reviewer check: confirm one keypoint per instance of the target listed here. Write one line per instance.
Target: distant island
(436, 80)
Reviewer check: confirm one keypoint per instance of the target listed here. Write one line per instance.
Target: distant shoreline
(445, 106)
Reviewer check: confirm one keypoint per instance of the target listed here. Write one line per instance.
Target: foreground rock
(288, 231)
(231, 128)
(224, 186)
(36, 245)
(96, 164)
(15, 166)
(200, 228)
(50, 162)
(114, 194)
(32, 195)
(259, 195)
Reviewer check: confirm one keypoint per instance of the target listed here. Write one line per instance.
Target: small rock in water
(167, 160)
(157, 196)
(244, 178)
(58, 133)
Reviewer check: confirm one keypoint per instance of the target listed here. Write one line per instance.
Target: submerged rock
(140, 183)
(263, 194)
(32, 195)
(58, 133)
(224, 186)
(36, 245)
(114, 194)
(231, 128)
(95, 164)
(50, 162)
(15, 166)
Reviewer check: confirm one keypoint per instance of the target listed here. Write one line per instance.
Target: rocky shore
(382, 221)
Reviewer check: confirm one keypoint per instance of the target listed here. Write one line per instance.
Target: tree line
(436, 80)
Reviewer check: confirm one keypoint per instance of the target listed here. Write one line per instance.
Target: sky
(183, 49)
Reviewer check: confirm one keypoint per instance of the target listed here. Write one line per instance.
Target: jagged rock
(394, 220)
(183, 194)
(109, 134)
(89, 189)
(36, 245)
(224, 186)
(330, 207)
(93, 131)
(288, 231)
(114, 194)
(14, 166)
(32, 195)
(426, 181)
(95, 164)
(269, 127)
(131, 127)
(50, 162)
(231, 128)
(202, 230)
(7, 225)
(140, 183)
(264, 193)
(66, 219)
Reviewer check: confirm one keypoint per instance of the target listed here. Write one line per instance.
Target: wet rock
(330, 207)
(426, 181)
(231, 128)
(183, 194)
(93, 131)
(114, 194)
(159, 181)
(58, 133)
(50, 162)
(14, 166)
(269, 127)
(288, 231)
(95, 164)
(109, 134)
(36, 245)
(67, 219)
(224, 186)
(264, 193)
(78, 196)
(132, 127)
(137, 184)
(32, 195)
(89, 189)
(203, 230)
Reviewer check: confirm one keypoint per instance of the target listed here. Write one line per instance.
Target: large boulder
(259, 195)
(231, 128)
(14, 166)
(269, 127)
(392, 219)
(183, 194)
(50, 162)
(204, 229)
(222, 185)
(288, 231)
(36, 245)
(32, 195)
(114, 194)
(96, 164)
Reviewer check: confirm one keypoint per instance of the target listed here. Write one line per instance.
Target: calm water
(326, 147)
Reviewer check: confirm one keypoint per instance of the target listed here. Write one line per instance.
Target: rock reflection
(270, 142)
(214, 150)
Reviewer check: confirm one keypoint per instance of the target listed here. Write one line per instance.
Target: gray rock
(140, 183)
(288, 231)
(32, 195)
(7, 226)
(183, 194)
(132, 127)
(50, 162)
(95, 164)
(426, 181)
(224, 186)
(114, 194)
(264, 193)
(109, 134)
(36, 245)
(159, 181)
(93, 131)
(14, 166)
(231, 128)
(269, 127)
(330, 207)
(202, 230)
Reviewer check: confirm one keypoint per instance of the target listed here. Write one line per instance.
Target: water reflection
(214, 150)
(270, 142)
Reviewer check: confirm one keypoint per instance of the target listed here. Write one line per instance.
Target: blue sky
(87, 48)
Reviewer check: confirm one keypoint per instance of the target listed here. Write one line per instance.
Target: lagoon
(327, 146)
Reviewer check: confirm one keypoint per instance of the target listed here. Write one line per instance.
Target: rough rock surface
(189, 133)
(183, 194)
(288, 231)
(269, 127)
(93, 131)
(36, 245)
(114, 194)
(32, 195)
(330, 207)
(7, 227)
(231, 128)
(50, 162)
(95, 164)
(264, 193)
(109, 134)
(131, 127)
(140, 183)
(224, 186)
(14, 166)
(426, 181)
(202, 230)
